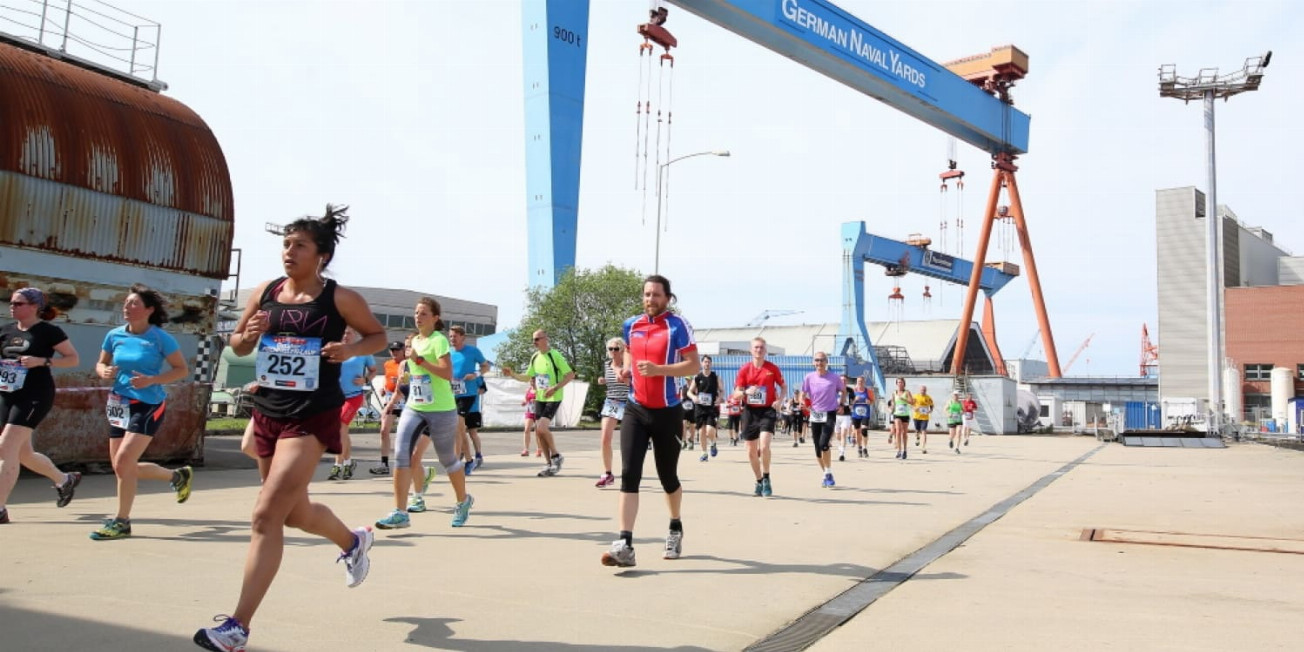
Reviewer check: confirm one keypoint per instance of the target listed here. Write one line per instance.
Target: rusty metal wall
(95, 167)
(104, 183)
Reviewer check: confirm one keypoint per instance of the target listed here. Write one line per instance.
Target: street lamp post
(656, 264)
(1208, 85)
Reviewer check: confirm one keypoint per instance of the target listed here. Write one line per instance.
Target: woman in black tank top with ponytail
(296, 324)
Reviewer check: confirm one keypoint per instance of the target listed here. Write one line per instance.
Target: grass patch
(227, 423)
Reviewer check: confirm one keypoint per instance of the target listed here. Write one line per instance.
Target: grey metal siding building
(1249, 258)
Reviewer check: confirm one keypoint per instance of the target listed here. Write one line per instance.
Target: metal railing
(91, 30)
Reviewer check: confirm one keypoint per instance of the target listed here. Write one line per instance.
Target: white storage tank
(1283, 389)
(1232, 393)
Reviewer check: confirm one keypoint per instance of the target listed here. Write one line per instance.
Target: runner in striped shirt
(613, 408)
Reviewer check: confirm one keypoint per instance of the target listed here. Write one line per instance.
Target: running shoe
(336, 472)
(479, 461)
(416, 504)
(966, 441)
(621, 555)
(463, 511)
(704, 457)
(431, 472)
(525, 453)
(829, 478)
(898, 455)
(468, 466)
(67, 489)
(547, 472)
(186, 475)
(916, 440)
(556, 463)
(674, 544)
(605, 480)
(114, 528)
(348, 470)
(379, 469)
(356, 561)
(950, 443)
(925, 451)
(767, 489)
(825, 482)
(842, 456)
(230, 636)
(714, 451)
(904, 455)
(538, 453)
(957, 450)
(4, 516)
(760, 488)
(395, 521)
(795, 444)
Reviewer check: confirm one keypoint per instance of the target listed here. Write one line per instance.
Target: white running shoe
(674, 544)
(356, 562)
(620, 555)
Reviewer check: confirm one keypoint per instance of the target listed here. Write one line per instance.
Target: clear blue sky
(412, 113)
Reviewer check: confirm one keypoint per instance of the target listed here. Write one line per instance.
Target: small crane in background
(1149, 354)
(1077, 353)
(766, 315)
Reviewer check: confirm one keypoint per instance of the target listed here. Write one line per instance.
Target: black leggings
(822, 433)
(661, 427)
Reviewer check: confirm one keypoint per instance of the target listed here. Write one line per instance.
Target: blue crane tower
(971, 104)
(859, 247)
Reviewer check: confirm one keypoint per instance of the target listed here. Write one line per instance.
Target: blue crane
(860, 248)
(815, 33)
(967, 99)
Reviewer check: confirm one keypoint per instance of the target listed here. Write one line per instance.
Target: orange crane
(1149, 353)
(1077, 353)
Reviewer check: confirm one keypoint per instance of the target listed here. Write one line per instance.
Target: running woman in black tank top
(296, 324)
(27, 352)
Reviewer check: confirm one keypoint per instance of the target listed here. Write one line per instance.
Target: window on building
(1258, 372)
(1256, 407)
(1045, 410)
(1299, 372)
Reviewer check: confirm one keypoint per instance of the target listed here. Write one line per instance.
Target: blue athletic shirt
(467, 361)
(355, 367)
(145, 353)
(661, 340)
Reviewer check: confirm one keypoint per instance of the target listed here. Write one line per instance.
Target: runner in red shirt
(760, 387)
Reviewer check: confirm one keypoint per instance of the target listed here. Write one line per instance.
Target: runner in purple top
(824, 389)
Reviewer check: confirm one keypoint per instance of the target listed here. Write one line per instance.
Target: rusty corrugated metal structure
(104, 183)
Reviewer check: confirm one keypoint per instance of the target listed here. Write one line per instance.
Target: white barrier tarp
(501, 406)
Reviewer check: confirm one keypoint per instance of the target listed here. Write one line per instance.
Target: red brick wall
(1265, 325)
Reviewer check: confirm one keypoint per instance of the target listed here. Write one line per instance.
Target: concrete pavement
(524, 572)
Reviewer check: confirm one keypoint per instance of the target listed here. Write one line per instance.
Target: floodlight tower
(1209, 86)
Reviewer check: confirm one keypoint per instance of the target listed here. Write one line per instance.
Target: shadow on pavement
(38, 630)
(436, 633)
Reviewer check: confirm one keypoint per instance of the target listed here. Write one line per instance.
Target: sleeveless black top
(316, 318)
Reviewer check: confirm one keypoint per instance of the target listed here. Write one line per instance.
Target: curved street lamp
(656, 264)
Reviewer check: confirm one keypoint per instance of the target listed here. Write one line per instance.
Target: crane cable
(645, 100)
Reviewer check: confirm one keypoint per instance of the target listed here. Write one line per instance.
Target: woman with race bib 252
(296, 323)
(132, 357)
